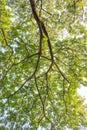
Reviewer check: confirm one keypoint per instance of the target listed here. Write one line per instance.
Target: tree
(43, 62)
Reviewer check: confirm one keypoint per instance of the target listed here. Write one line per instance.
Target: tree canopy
(43, 61)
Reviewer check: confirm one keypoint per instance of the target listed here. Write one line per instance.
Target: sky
(83, 92)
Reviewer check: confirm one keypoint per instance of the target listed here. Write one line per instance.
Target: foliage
(43, 62)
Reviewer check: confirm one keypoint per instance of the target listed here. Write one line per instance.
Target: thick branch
(33, 6)
(42, 29)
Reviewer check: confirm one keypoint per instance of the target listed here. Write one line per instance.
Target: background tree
(43, 62)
